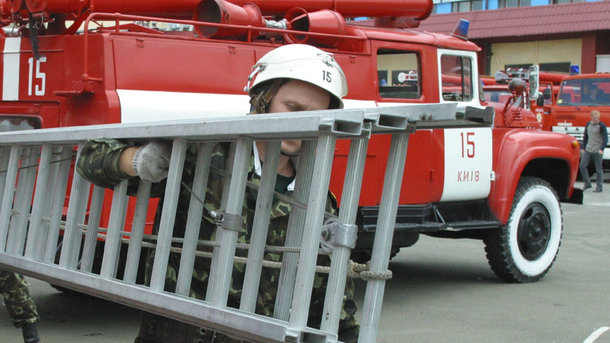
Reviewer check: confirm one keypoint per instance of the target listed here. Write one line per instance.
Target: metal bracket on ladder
(335, 234)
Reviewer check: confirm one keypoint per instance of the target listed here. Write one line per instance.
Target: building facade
(560, 37)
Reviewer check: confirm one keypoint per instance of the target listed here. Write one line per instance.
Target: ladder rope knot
(362, 271)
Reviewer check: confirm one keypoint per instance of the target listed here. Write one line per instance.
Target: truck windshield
(496, 93)
(585, 92)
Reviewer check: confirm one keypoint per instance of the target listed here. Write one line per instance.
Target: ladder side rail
(23, 202)
(193, 221)
(333, 302)
(9, 192)
(72, 237)
(388, 208)
(311, 234)
(112, 244)
(134, 249)
(59, 195)
(220, 276)
(304, 125)
(4, 157)
(255, 328)
(93, 223)
(35, 231)
(168, 215)
(294, 234)
(260, 227)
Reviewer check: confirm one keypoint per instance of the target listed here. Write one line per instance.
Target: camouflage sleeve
(99, 162)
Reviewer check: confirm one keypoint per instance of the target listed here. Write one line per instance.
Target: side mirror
(534, 77)
(546, 93)
(540, 100)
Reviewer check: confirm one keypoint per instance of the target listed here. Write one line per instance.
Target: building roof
(526, 21)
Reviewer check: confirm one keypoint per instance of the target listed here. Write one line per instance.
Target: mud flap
(576, 198)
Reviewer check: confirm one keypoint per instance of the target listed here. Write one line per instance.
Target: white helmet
(300, 62)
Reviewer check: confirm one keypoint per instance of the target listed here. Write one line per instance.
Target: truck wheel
(524, 249)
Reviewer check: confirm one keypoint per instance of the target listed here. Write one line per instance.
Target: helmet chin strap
(289, 155)
(261, 101)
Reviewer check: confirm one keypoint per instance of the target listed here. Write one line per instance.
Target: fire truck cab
(500, 179)
(578, 96)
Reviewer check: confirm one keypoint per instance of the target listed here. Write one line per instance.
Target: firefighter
(19, 304)
(290, 78)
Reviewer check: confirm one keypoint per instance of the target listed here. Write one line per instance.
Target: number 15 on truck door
(468, 163)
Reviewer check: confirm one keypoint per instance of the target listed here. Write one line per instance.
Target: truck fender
(515, 150)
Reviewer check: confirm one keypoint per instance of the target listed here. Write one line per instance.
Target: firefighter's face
(295, 96)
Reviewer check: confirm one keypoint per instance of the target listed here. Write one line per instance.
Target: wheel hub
(534, 231)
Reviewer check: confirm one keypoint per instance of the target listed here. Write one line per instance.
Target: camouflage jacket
(98, 163)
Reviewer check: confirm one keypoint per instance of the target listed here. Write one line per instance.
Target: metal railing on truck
(34, 175)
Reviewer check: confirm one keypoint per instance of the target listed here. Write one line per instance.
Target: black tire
(525, 248)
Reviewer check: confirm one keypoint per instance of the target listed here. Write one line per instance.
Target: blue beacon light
(461, 29)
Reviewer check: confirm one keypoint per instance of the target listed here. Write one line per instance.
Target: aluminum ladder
(36, 171)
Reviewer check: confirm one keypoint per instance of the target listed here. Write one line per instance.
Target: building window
(466, 6)
(514, 3)
(477, 5)
(563, 67)
(540, 2)
(442, 8)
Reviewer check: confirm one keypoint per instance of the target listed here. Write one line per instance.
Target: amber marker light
(575, 144)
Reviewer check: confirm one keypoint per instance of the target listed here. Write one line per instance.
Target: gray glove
(151, 161)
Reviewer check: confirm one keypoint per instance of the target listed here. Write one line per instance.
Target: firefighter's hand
(151, 161)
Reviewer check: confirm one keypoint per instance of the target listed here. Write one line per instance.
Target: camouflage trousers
(20, 305)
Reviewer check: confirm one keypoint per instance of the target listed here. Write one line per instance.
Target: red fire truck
(74, 62)
(496, 90)
(578, 96)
